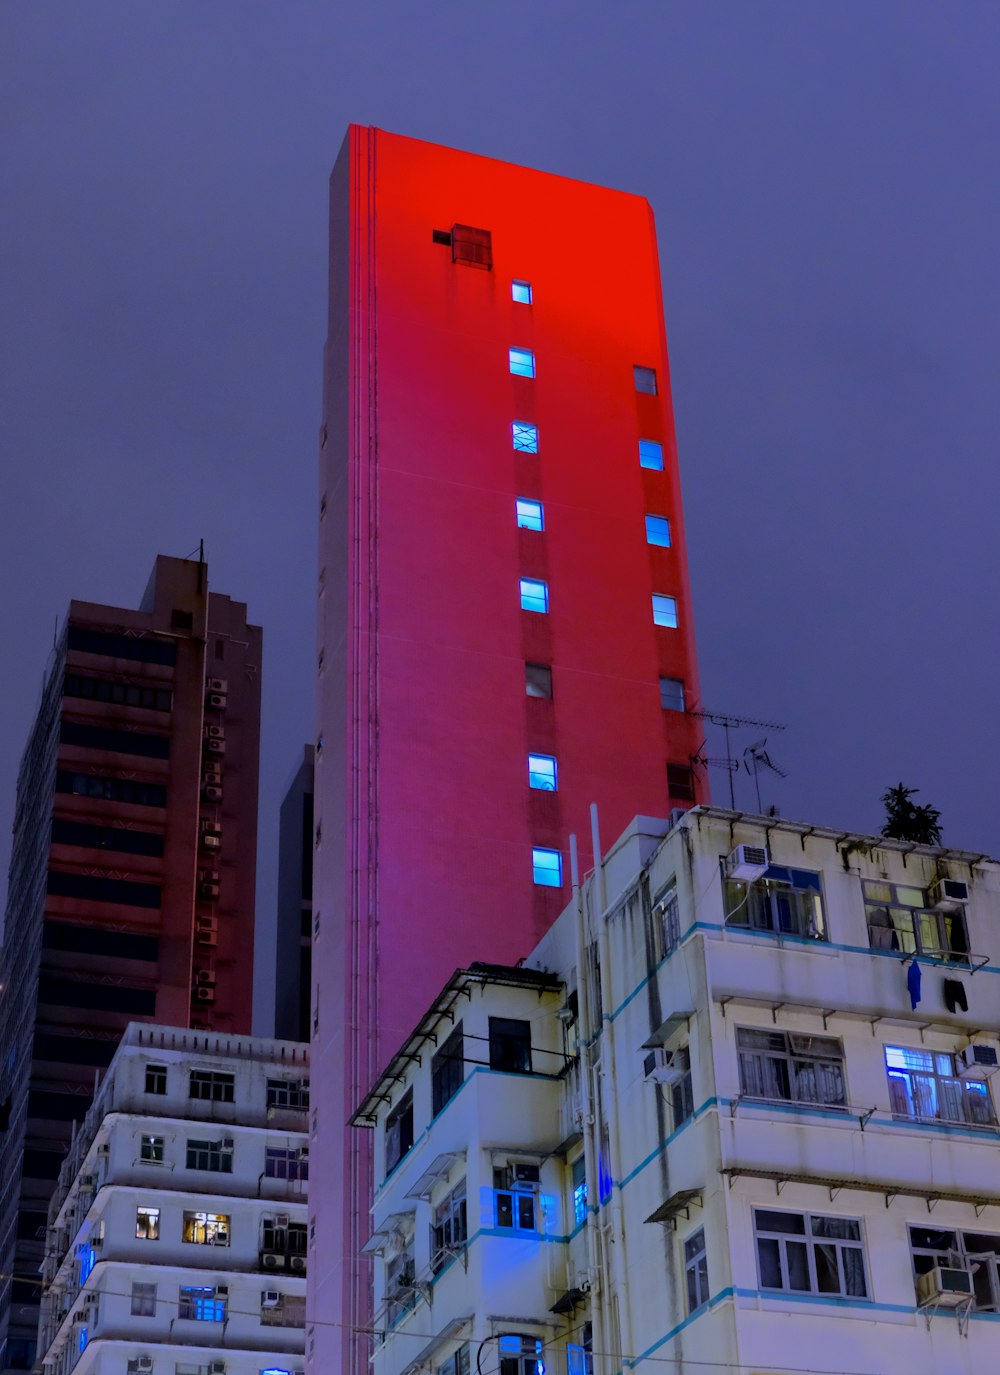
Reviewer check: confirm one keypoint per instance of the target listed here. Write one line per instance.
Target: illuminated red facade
(432, 672)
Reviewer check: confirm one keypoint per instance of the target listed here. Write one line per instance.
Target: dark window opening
(73, 1050)
(680, 782)
(111, 789)
(510, 1045)
(442, 236)
(91, 737)
(447, 1070)
(181, 620)
(103, 997)
(95, 940)
(645, 379)
(93, 888)
(116, 838)
(399, 1131)
(538, 680)
(116, 691)
(143, 648)
(472, 247)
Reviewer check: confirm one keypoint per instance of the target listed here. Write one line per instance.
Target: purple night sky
(824, 180)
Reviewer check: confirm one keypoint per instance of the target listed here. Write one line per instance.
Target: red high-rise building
(505, 623)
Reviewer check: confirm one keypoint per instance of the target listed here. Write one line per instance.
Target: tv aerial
(728, 762)
(755, 758)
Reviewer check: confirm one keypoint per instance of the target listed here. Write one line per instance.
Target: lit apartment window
(580, 1359)
(658, 531)
(538, 680)
(147, 1224)
(664, 610)
(515, 1196)
(206, 1229)
(143, 1300)
(579, 1185)
(151, 1149)
(210, 1086)
(901, 918)
(791, 1067)
(542, 772)
(522, 362)
(201, 1303)
(521, 292)
(651, 455)
(672, 694)
(525, 436)
(530, 515)
(447, 1069)
(645, 379)
(786, 902)
(534, 595)
(521, 1355)
(807, 1254)
(925, 1087)
(399, 1131)
(510, 1045)
(156, 1078)
(546, 867)
(696, 1270)
(215, 1156)
(449, 1230)
(979, 1252)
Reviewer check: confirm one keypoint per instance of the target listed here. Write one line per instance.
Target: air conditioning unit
(209, 827)
(215, 746)
(217, 701)
(944, 1287)
(207, 937)
(748, 862)
(659, 1067)
(204, 995)
(87, 1181)
(271, 1260)
(270, 1298)
(216, 685)
(298, 1263)
(96, 1242)
(977, 1062)
(281, 1220)
(205, 976)
(949, 893)
(221, 1238)
(214, 732)
(212, 794)
(104, 1148)
(212, 777)
(222, 1292)
(208, 890)
(217, 1367)
(211, 842)
(208, 875)
(526, 1174)
(141, 1364)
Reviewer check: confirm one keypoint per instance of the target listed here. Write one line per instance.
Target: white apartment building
(178, 1232)
(735, 1113)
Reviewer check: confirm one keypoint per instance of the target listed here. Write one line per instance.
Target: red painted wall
(422, 795)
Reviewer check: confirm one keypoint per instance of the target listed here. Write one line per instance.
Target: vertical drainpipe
(587, 1033)
(617, 1265)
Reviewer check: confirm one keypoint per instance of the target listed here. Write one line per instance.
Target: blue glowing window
(522, 362)
(547, 867)
(534, 595)
(525, 437)
(521, 291)
(87, 1258)
(530, 515)
(658, 531)
(651, 454)
(664, 610)
(198, 1303)
(542, 772)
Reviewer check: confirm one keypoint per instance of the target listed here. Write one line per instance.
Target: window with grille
(472, 247)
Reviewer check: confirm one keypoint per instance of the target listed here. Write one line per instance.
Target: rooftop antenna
(728, 723)
(755, 757)
(701, 761)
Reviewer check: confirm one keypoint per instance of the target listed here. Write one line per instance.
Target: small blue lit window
(521, 291)
(522, 362)
(658, 531)
(275, 1370)
(530, 515)
(83, 1339)
(651, 454)
(664, 610)
(547, 867)
(534, 595)
(542, 772)
(525, 437)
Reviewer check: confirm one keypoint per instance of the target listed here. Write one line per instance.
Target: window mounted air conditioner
(215, 746)
(87, 1181)
(949, 893)
(298, 1263)
(270, 1298)
(210, 827)
(214, 732)
(212, 794)
(204, 994)
(977, 1062)
(212, 777)
(748, 862)
(211, 842)
(944, 1287)
(217, 701)
(227, 1143)
(216, 685)
(221, 1238)
(222, 1292)
(281, 1219)
(271, 1260)
(205, 976)
(662, 1067)
(208, 890)
(216, 1368)
(142, 1364)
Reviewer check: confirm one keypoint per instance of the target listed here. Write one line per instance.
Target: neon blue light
(651, 454)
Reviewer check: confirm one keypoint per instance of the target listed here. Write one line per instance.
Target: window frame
(152, 1149)
(211, 1086)
(546, 867)
(446, 1079)
(534, 595)
(672, 694)
(695, 1255)
(449, 1227)
(790, 1067)
(651, 455)
(768, 897)
(398, 1135)
(526, 296)
(657, 525)
(156, 1080)
(811, 1241)
(212, 1151)
(509, 1042)
(147, 1223)
(201, 1303)
(933, 1086)
(538, 675)
(529, 514)
(201, 1228)
(911, 928)
(543, 773)
(524, 436)
(522, 361)
(143, 1299)
(645, 380)
(666, 612)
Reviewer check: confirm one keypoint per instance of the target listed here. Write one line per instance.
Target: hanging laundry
(954, 995)
(913, 983)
